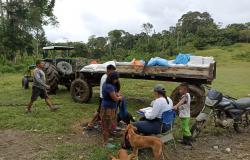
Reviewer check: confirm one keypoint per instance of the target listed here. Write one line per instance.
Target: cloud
(80, 19)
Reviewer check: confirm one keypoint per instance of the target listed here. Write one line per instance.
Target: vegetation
(21, 26)
(194, 30)
(233, 77)
(22, 37)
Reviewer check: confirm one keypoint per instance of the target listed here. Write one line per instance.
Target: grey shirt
(39, 79)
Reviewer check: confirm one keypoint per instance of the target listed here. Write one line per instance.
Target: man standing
(39, 87)
(110, 69)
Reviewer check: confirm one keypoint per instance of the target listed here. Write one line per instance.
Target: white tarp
(98, 67)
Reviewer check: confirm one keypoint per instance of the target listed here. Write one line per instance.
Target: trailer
(195, 76)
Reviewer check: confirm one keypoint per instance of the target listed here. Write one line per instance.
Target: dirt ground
(22, 145)
(209, 147)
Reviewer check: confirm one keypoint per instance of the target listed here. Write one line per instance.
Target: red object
(93, 62)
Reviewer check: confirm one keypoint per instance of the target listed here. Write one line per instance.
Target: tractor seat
(243, 103)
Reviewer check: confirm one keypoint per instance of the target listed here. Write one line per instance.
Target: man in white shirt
(110, 69)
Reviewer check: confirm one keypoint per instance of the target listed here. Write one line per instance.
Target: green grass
(233, 78)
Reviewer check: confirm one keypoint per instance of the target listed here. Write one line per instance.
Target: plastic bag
(157, 61)
(182, 58)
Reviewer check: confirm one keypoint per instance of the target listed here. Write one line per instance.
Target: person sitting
(108, 112)
(152, 123)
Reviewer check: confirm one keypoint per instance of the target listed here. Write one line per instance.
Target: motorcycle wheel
(196, 128)
(242, 125)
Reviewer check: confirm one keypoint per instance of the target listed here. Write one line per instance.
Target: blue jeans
(149, 127)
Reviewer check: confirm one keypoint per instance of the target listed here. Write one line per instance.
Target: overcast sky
(79, 19)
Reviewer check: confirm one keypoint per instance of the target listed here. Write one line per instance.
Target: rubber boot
(187, 140)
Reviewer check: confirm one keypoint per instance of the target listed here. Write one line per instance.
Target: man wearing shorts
(39, 87)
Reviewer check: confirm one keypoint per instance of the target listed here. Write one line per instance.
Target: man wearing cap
(152, 123)
(39, 87)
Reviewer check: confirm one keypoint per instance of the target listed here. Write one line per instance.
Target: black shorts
(100, 104)
(38, 92)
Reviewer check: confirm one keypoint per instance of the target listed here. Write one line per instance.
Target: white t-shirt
(160, 105)
(103, 80)
(184, 110)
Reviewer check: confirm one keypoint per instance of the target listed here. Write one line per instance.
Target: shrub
(7, 69)
(243, 56)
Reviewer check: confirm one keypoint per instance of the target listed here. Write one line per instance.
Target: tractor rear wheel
(52, 77)
(197, 94)
(80, 91)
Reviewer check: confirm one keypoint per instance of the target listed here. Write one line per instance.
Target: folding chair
(168, 118)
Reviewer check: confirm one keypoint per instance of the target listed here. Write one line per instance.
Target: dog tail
(164, 154)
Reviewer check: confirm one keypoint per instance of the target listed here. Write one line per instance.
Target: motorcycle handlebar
(226, 96)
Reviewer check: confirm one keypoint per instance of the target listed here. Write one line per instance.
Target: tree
(115, 38)
(22, 21)
(147, 28)
(244, 35)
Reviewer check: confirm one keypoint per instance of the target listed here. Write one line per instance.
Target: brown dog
(123, 155)
(139, 142)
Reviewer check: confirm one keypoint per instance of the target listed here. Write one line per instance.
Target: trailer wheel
(197, 98)
(80, 91)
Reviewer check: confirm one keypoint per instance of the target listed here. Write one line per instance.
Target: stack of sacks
(172, 64)
(123, 63)
(157, 61)
(98, 67)
(199, 61)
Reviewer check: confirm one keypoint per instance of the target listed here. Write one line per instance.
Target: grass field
(233, 78)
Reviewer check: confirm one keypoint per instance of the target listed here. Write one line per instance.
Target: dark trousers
(149, 127)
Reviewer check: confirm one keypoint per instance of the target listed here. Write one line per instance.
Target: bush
(7, 69)
(19, 68)
(243, 56)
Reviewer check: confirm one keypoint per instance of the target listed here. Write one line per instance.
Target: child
(184, 113)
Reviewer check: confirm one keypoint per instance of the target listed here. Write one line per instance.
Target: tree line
(194, 30)
(22, 21)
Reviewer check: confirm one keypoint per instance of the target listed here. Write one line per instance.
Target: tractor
(59, 68)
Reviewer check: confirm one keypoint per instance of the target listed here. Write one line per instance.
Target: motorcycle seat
(243, 103)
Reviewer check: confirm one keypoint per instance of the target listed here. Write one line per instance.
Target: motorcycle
(226, 111)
